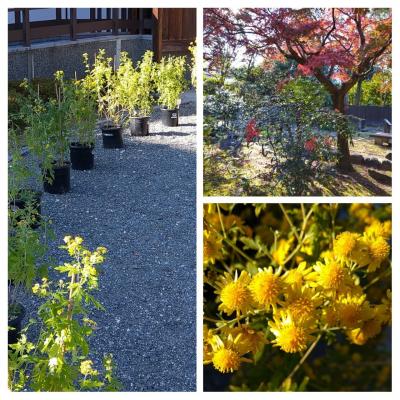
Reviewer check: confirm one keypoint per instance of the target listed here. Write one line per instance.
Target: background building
(42, 40)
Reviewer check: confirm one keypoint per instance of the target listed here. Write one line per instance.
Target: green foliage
(101, 81)
(59, 361)
(47, 125)
(293, 136)
(193, 67)
(170, 81)
(134, 86)
(44, 87)
(255, 84)
(306, 91)
(82, 114)
(26, 246)
(25, 250)
(19, 172)
(376, 91)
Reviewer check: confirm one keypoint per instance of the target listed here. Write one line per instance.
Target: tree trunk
(344, 163)
(357, 100)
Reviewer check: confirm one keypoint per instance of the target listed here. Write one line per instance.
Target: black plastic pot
(61, 182)
(25, 197)
(112, 137)
(170, 117)
(15, 322)
(139, 126)
(81, 156)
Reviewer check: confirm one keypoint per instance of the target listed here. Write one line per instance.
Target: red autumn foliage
(311, 144)
(251, 131)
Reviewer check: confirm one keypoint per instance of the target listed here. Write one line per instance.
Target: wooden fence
(173, 29)
(372, 114)
(130, 21)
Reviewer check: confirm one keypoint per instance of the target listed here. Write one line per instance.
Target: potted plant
(171, 83)
(60, 360)
(134, 90)
(101, 80)
(82, 123)
(20, 196)
(47, 136)
(25, 249)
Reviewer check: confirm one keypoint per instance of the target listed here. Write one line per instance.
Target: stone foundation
(43, 59)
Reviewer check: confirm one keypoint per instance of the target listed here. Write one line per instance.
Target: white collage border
(200, 200)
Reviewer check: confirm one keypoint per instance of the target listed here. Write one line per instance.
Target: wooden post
(141, 21)
(92, 14)
(58, 14)
(17, 16)
(114, 21)
(73, 23)
(124, 17)
(26, 27)
(157, 32)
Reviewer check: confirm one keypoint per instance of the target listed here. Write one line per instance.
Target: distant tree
(375, 91)
(338, 46)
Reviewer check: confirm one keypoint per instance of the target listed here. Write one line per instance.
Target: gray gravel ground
(140, 203)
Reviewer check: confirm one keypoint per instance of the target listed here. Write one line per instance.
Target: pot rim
(164, 108)
(77, 145)
(144, 117)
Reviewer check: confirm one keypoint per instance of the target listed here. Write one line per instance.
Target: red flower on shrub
(251, 131)
(328, 141)
(311, 144)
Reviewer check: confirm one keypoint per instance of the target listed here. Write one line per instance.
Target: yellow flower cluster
(292, 305)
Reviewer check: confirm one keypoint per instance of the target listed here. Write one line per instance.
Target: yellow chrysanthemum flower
(265, 287)
(329, 317)
(298, 276)
(379, 229)
(226, 360)
(234, 294)
(353, 311)
(379, 251)
(248, 339)
(302, 302)
(362, 211)
(383, 311)
(344, 244)
(290, 335)
(368, 330)
(332, 276)
(282, 250)
(212, 247)
(226, 356)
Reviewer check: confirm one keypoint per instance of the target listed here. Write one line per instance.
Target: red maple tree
(338, 46)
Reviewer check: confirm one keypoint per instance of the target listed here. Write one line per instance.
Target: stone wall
(42, 60)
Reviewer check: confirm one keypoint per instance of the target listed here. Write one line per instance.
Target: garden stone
(357, 159)
(386, 165)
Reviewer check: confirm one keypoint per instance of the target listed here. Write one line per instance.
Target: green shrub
(170, 81)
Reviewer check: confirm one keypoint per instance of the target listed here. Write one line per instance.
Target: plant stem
(234, 247)
(302, 360)
(220, 220)
(377, 278)
(289, 221)
(301, 236)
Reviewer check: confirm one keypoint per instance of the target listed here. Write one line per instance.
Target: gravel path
(140, 203)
